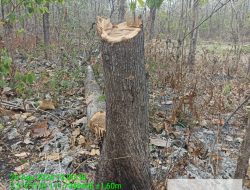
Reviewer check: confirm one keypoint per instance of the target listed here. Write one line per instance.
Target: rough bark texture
(121, 10)
(46, 31)
(151, 23)
(243, 160)
(194, 34)
(2, 10)
(125, 156)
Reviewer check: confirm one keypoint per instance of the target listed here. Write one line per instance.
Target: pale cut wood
(120, 32)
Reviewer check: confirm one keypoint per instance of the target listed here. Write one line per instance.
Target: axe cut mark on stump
(117, 33)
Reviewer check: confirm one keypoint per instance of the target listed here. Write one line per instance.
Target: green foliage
(32, 6)
(24, 82)
(203, 2)
(154, 3)
(102, 98)
(227, 89)
(63, 80)
(141, 3)
(132, 6)
(246, 49)
(150, 3)
(5, 67)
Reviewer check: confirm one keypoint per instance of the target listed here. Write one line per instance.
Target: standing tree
(121, 10)
(125, 156)
(46, 30)
(194, 33)
(153, 5)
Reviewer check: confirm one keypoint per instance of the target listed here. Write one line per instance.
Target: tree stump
(125, 156)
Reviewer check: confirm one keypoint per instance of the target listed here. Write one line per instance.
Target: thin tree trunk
(46, 31)
(180, 33)
(36, 30)
(194, 34)
(121, 10)
(2, 10)
(125, 156)
(151, 23)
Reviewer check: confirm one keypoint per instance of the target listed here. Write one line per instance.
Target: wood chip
(41, 129)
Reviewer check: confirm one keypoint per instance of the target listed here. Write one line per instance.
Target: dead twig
(232, 114)
(34, 109)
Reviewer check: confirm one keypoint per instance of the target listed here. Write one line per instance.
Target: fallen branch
(34, 109)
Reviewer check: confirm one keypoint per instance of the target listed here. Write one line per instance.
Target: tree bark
(151, 23)
(125, 156)
(121, 10)
(2, 10)
(194, 34)
(46, 31)
(243, 160)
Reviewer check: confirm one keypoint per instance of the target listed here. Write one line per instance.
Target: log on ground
(95, 105)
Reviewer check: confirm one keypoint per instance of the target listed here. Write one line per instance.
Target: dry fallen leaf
(95, 152)
(46, 105)
(158, 126)
(22, 155)
(81, 140)
(41, 129)
(31, 119)
(22, 167)
(219, 122)
(26, 115)
(53, 157)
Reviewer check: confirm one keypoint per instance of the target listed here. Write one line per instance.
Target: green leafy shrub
(23, 83)
(5, 67)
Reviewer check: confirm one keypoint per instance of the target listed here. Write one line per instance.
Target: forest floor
(46, 131)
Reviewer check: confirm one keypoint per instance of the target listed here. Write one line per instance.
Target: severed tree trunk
(125, 156)
(243, 160)
(96, 107)
(46, 31)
